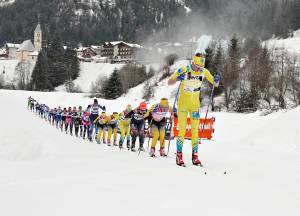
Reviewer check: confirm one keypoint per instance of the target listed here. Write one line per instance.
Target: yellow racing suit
(124, 126)
(189, 103)
(101, 122)
(112, 124)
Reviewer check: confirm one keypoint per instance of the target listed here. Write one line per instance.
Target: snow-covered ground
(90, 72)
(46, 172)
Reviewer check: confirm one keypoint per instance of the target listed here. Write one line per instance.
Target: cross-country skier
(157, 117)
(80, 114)
(137, 125)
(63, 118)
(86, 122)
(58, 117)
(77, 120)
(112, 126)
(68, 120)
(101, 123)
(124, 125)
(191, 77)
(94, 109)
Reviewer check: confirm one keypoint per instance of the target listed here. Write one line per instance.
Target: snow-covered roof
(26, 46)
(95, 47)
(12, 45)
(81, 49)
(114, 43)
(38, 28)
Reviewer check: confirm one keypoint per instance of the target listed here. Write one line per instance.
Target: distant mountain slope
(96, 21)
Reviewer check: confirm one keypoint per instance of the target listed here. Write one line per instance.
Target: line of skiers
(132, 121)
(93, 123)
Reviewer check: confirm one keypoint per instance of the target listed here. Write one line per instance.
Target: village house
(120, 51)
(85, 54)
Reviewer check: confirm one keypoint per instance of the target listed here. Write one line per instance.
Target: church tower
(38, 38)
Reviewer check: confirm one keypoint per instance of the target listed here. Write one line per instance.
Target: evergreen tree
(39, 77)
(72, 64)
(56, 61)
(113, 86)
(231, 71)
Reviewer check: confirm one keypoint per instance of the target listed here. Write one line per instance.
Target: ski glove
(103, 108)
(217, 78)
(181, 77)
(180, 74)
(175, 112)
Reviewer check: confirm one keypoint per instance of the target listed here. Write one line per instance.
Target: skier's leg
(141, 132)
(195, 117)
(134, 134)
(122, 130)
(128, 134)
(162, 133)
(115, 134)
(99, 135)
(109, 135)
(155, 135)
(182, 121)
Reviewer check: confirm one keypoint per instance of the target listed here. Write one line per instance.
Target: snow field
(46, 172)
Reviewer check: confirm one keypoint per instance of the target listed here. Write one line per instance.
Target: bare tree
(23, 74)
(280, 79)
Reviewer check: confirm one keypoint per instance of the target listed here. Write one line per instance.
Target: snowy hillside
(90, 72)
(45, 172)
(292, 44)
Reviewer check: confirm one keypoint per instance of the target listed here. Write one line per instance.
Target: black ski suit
(137, 126)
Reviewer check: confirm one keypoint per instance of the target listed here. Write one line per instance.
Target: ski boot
(128, 144)
(152, 152)
(141, 148)
(195, 159)
(133, 148)
(162, 152)
(120, 143)
(115, 143)
(179, 160)
(104, 142)
(108, 143)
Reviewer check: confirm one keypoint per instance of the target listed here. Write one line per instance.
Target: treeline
(55, 66)
(253, 76)
(79, 21)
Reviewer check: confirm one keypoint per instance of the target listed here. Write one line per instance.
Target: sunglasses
(199, 55)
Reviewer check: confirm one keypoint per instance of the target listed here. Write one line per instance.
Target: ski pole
(209, 103)
(176, 98)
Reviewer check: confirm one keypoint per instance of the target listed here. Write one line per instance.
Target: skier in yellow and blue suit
(191, 77)
(124, 126)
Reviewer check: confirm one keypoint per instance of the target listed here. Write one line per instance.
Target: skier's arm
(177, 75)
(95, 121)
(88, 108)
(149, 111)
(209, 77)
(102, 107)
(128, 115)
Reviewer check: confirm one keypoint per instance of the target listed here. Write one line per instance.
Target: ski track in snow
(46, 172)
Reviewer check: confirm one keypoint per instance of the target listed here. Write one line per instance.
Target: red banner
(205, 132)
